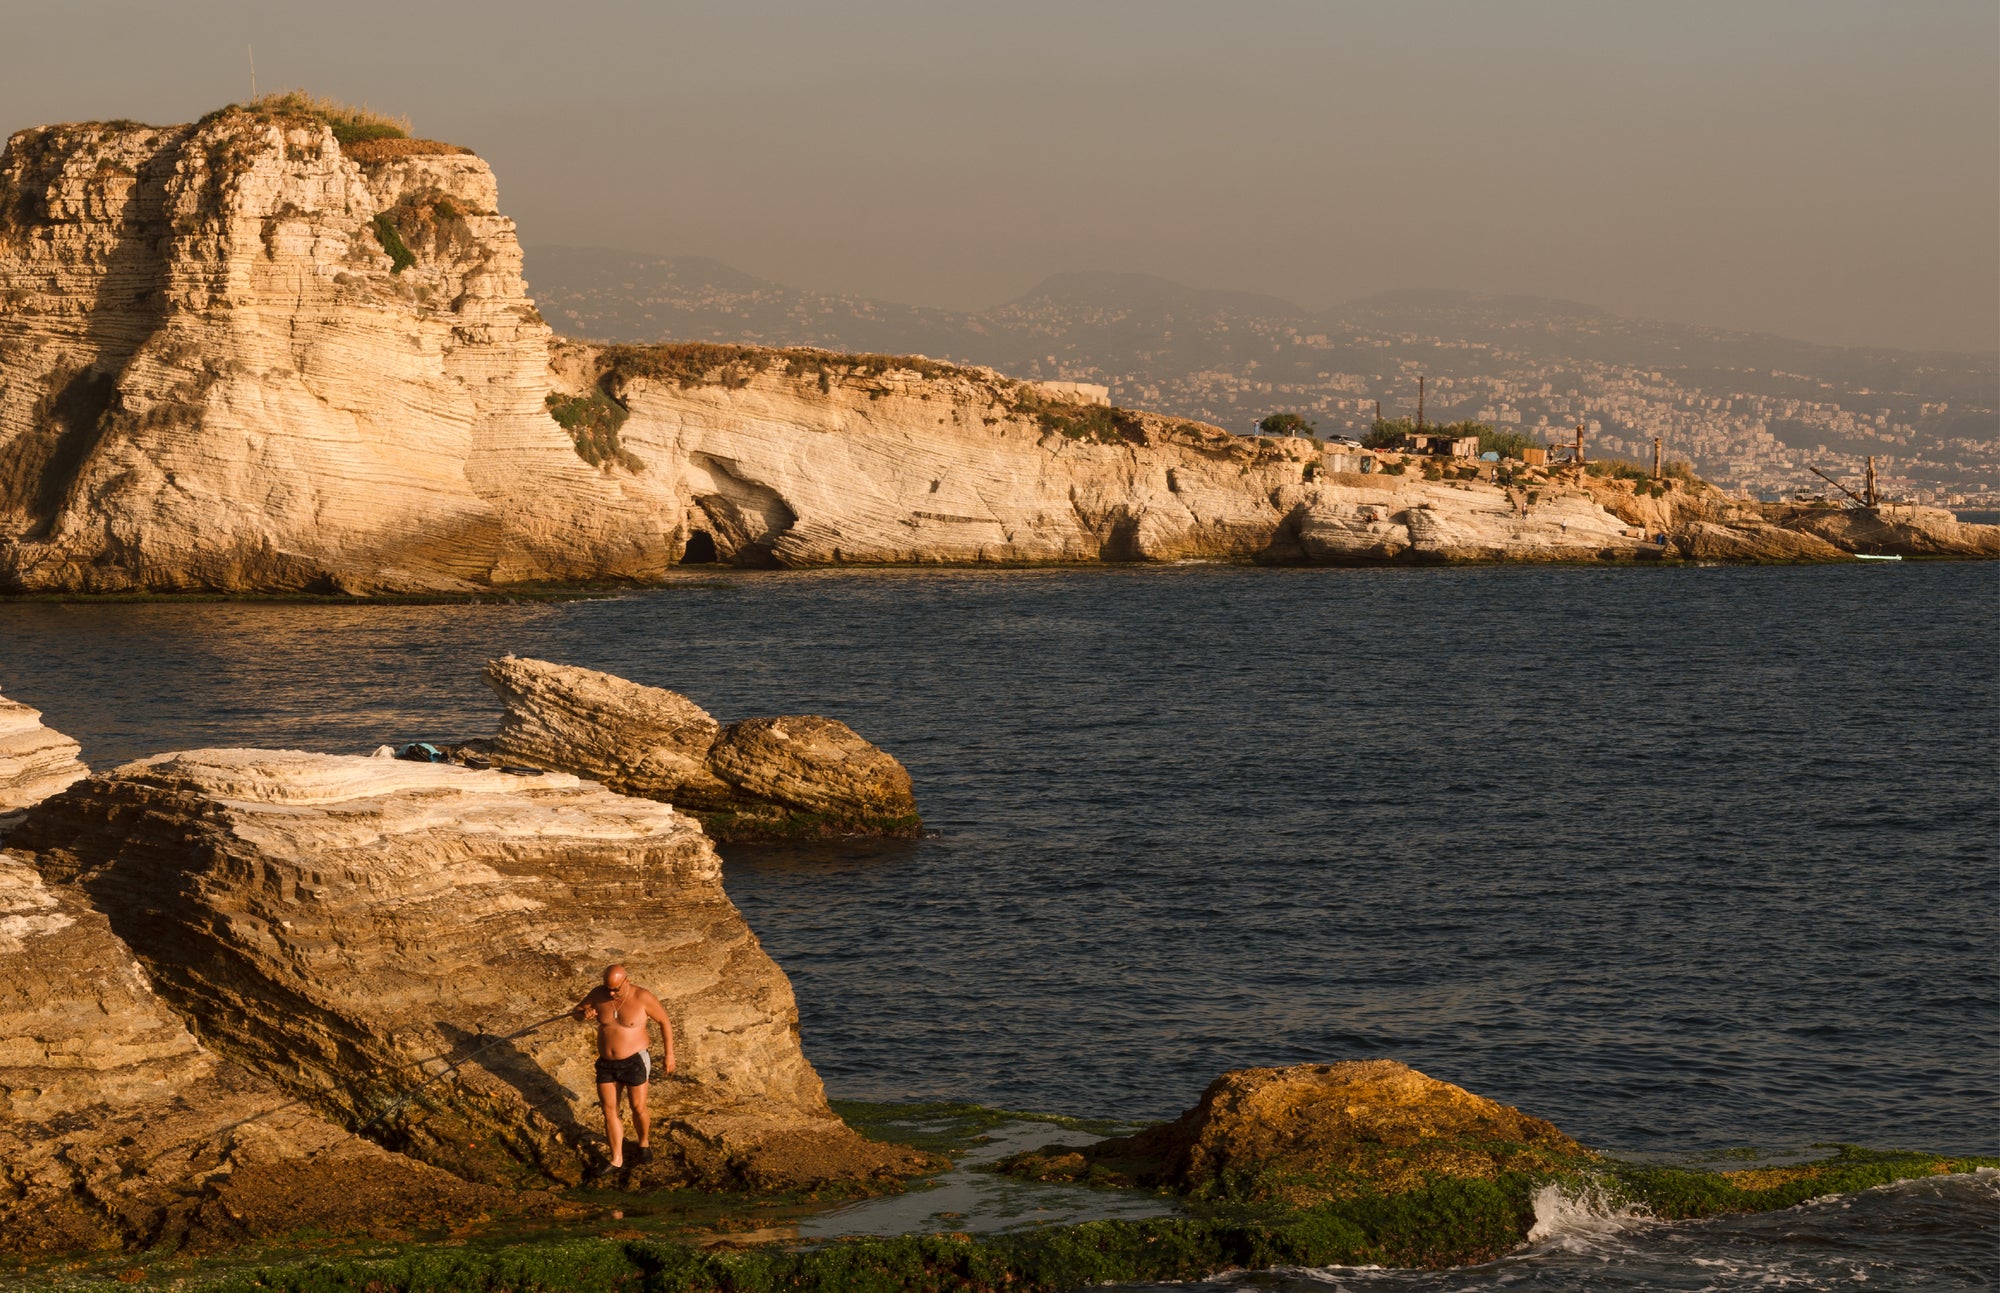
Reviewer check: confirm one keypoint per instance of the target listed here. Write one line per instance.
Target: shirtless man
(624, 1055)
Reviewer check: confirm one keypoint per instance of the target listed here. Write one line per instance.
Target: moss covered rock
(1311, 1133)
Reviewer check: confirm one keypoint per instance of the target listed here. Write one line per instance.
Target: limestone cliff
(214, 373)
(239, 356)
(346, 927)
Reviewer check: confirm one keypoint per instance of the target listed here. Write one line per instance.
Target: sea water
(1688, 861)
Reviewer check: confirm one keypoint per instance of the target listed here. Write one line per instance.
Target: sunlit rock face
(346, 926)
(234, 356)
(790, 777)
(213, 374)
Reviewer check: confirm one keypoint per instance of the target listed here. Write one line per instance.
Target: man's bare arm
(657, 1011)
(586, 1008)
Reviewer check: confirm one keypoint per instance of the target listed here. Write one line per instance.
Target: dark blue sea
(1685, 860)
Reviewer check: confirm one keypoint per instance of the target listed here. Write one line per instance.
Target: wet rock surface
(1310, 1133)
(119, 1129)
(791, 777)
(346, 928)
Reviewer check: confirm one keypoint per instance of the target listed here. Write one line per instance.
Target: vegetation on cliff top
(688, 364)
(350, 124)
(364, 135)
(700, 363)
(1101, 423)
(1286, 424)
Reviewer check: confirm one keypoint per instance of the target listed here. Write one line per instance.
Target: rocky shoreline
(262, 1001)
(217, 374)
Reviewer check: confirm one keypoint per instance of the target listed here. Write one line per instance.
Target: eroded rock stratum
(335, 925)
(799, 776)
(235, 356)
(119, 1129)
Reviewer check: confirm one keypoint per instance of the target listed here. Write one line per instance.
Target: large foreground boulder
(347, 927)
(793, 777)
(118, 1129)
(1310, 1133)
(35, 761)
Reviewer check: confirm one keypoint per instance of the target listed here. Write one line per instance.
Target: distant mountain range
(1750, 410)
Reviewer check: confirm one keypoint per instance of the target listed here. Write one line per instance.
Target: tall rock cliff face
(237, 356)
(214, 374)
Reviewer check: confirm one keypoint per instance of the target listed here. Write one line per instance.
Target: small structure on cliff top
(1443, 446)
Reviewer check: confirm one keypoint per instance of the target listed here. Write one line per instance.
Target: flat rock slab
(349, 927)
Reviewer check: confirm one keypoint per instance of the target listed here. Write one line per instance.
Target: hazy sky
(1823, 169)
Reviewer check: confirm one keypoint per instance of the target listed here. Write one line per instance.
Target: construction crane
(1867, 498)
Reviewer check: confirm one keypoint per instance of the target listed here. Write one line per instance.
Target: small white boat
(1877, 556)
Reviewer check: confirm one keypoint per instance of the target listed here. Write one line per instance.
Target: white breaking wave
(1582, 1220)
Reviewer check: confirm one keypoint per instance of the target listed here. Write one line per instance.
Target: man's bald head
(614, 977)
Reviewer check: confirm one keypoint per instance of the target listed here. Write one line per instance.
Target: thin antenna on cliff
(1420, 403)
(253, 71)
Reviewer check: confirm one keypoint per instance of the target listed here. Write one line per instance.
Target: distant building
(1442, 446)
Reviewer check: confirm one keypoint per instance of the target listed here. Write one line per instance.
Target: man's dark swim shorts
(633, 1070)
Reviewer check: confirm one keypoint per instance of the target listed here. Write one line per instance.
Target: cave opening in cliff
(700, 549)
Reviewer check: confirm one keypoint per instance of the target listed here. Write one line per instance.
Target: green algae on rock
(1313, 1132)
(1446, 1223)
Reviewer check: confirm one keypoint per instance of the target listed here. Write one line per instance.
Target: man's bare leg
(641, 1120)
(614, 1130)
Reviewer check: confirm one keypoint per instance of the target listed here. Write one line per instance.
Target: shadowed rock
(797, 776)
(347, 927)
(118, 1129)
(1314, 1132)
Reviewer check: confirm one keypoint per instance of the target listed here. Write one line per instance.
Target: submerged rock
(35, 761)
(797, 776)
(119, 1129)
(1310, 1133)
(346, 927)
